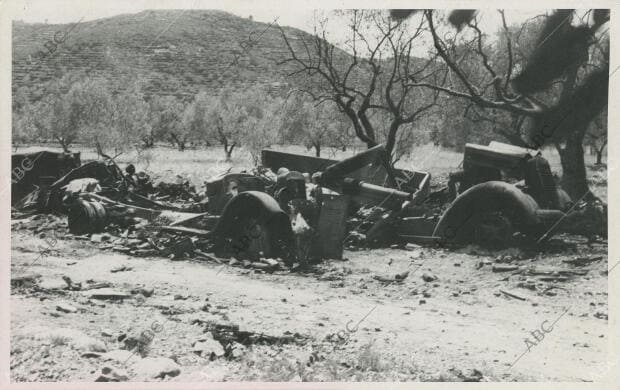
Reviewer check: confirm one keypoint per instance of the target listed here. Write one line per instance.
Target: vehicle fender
(488, 196)
(254, 205)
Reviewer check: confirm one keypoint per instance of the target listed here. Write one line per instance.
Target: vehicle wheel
(487, 214)
(253, 240)
(492, 229)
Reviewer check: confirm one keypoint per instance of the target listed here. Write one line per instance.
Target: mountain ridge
(176, 52)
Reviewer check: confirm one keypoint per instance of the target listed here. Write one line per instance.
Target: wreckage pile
(296, 209)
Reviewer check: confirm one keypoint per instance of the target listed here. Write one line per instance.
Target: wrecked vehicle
(490, 211)
(299, 208)
(30, 171)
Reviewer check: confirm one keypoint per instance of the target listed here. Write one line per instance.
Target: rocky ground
(82, 313)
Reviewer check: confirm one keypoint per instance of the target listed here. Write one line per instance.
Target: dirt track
(458, 327)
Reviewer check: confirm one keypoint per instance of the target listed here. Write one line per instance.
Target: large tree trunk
(391, 140)
(63, 144)
(180, 143)
(317, 149)
(229, 150)
(574, 180)
(572, 155)
(599, 153)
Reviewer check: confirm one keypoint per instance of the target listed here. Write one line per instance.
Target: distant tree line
(77, 108)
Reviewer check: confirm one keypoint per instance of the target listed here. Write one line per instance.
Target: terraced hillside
(174, 52)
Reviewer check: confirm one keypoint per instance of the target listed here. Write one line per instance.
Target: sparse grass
(362, 364)
(369, 359)
(57, 340)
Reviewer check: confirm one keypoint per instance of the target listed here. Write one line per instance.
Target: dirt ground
(452, 318)
(341, 321)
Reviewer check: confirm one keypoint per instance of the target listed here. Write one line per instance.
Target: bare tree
(572, 98)
(596, 136)
(375, 75)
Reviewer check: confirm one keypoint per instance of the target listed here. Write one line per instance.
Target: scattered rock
(73, 286)
(237, 350)
(529, 284)
(111, 374)
(208, 347)
(472, 376)
(91, 355)
(147, 292)
(505, 268)
(428, 277)
(601, 315)
(402, 276)
(259, 265)
(121, 269)
(156, 367)
(26, 279)
(410, 246)
(100, 237)
(52, 284)
(270, 262)
(66, 308)
(118, 355)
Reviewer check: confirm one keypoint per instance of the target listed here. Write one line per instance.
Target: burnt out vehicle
(300, 208)
(505, 195)
(30, 171)
(504, 192)
(302, 211)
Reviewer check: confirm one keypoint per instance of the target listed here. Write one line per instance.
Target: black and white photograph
(247, 191)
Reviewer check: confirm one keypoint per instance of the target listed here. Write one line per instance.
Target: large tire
(252, 225)
(488, 214)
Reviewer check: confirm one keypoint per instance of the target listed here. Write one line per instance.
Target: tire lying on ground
(252, 225)
(86, 217)
(488, 214)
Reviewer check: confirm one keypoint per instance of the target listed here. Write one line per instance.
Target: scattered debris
(505, 268)
(111, 374)
(121, 268)
(207, 347)
(66, 308)
(583, 261)
(149, 368)
(512, 295)
(428, 277)
(107, 293)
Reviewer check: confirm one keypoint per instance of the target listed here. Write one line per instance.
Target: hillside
(175, 52)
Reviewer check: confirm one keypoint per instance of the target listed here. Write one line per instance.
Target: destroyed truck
(504, 193)
(300, 208)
